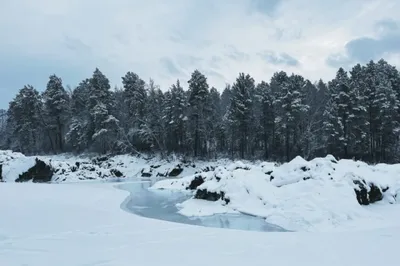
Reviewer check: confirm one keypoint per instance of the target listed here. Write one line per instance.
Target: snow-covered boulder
(298, 195)
(41, 172)
(14, 164)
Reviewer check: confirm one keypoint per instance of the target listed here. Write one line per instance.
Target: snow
(44, 225)
(67, 169)
(313, 196)
(72, 222)
(14, 164)
(196, 207)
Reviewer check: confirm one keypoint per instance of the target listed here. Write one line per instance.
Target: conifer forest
(355, 115)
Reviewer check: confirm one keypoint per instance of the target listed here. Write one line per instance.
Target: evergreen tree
(240, 111)
(290, 107)
(176, 119)
(353, 116)
(197, 111)
(135, 95)
(24, 118)
(56, 111)
(215, 126)
(266, 116)
(104, 126)
(78, 135)
(342, 106)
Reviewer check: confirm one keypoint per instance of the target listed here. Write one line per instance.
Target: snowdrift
(322, 194)
(16, 167)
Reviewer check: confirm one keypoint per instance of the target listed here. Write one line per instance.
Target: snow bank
(75, 169)
(318, 195)
(13, 164)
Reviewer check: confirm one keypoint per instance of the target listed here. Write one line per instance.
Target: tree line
(355, 115)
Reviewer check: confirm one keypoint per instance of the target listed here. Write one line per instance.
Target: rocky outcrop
(148, 171)
(39, 173)
(1, 173)
(177, 170)
(197, 181)
(116, 173)
(204, 194)
(367, 193)
(206, 169)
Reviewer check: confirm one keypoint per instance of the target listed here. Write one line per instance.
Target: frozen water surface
(161, 204)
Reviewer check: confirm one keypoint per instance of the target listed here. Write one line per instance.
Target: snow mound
(68, 168)
(317, 195)
(13, 164)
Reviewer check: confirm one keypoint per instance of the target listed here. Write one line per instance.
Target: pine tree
(240, 111)
(78, 135)
(135, 95)
(24, 118)
(313, 138)
(290, 107)
(340, 90)
(104, 126)
(56, 110)
(266, 116)
(214, 122)
(388, 110)
(358, 99)
(4, 141)
(176, 119)
(197, 111)
(151, 130)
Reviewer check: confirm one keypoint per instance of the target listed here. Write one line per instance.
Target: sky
(168, 40)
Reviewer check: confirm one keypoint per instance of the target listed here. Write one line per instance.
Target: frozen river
(161, 204)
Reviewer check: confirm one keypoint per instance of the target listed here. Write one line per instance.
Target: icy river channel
(161, 205)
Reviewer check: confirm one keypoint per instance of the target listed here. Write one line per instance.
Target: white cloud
(167, 40)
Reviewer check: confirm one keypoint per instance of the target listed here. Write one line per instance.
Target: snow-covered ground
(82, 224)
(68, 168)
(86, 223)
(319, 195)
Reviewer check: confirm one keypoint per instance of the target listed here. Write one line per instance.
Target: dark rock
(155, 166)
(271, 178)
(365, 197)
(242, 168)
(385, 189)
(176, 171)
(116, 173)
(74, 169)
(77, 164)
(306, 178)
(39, 173)
(197, 181)
(1, 173)
(160, 175)
(206, 169)
(100, 160)
(204, 194)
(375, 193)
(145, 174)
(305, 168)
(269, 173)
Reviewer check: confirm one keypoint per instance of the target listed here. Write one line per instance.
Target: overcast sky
(167, 40)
